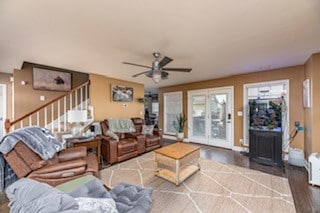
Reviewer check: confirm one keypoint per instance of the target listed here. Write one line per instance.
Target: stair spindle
(81, 98)
(52, 116)
(38, 119)
(76, 101)
(65, 113)
(45, 116)
(59, 115)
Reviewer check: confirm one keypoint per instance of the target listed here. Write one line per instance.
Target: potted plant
(181, 120)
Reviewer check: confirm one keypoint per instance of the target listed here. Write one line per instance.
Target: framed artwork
(121, 93)
(306, 94)
(44, 79)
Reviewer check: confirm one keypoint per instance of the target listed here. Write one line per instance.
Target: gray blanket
(121, 125)
(38, 139)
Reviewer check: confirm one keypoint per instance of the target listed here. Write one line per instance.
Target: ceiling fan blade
(166, 60)
(138, 65)
(146, 72)
(178, 69)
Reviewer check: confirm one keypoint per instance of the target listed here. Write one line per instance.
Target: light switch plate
(239, 113)
(42, 98)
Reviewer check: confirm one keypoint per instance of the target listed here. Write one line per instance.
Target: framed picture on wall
(306, 94)
(44, 79)
(121, 93)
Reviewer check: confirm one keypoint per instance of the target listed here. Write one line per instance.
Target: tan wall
(28, 99)
(294, 74)
(312, 114)
(5, 79)
(100, 95)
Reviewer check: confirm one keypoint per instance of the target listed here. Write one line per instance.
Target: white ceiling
(216, 38)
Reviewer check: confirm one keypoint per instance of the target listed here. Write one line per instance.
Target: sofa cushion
(152, 140)
(126, 146)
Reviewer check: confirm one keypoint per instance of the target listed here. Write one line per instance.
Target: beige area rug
(216, 187)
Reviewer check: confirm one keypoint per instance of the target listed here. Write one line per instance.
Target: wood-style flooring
(306, 197)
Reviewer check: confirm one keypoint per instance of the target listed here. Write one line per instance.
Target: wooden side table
(89, 143)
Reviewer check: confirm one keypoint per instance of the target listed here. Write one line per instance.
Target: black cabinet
(266, 147)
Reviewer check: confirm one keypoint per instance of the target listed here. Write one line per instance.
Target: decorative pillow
(112, 135)
(97, 204)
(147, 130)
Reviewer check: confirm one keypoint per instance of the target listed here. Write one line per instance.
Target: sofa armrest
(158, 132)
(61, 166)
(110, 152)
(72, 153)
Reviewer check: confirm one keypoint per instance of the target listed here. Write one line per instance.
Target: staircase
(53, 115)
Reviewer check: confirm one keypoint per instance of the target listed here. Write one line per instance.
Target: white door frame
(3, 103)
(286, 82)
(207, 92)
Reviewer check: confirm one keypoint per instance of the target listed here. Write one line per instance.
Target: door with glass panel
(220, 118)
(197, 121)
(210, 113)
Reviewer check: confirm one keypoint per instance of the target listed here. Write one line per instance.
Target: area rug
(216, 187)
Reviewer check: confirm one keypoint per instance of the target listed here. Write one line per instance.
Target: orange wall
(294, 74)
(5, 79)
(312, 114)
(28, 99)
(100, 97)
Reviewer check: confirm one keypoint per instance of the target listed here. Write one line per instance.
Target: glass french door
(210, 113)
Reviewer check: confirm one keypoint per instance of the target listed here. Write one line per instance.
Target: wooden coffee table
(173, 162)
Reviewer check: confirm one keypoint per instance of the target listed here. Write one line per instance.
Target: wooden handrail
(50, 102)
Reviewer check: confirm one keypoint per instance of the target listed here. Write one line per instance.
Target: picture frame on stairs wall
(44, 79)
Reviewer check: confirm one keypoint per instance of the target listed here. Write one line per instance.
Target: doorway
(3, 107)
(210, 116)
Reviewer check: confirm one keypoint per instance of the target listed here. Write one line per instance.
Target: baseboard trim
(238, 148)
(170, 137)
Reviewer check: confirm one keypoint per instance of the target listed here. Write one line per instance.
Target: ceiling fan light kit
(158, 72)
(156, 76)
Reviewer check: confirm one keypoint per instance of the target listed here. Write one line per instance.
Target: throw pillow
(97, 204)
(112, 135)
(147, 130)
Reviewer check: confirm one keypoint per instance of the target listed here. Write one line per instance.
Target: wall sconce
(24, 82)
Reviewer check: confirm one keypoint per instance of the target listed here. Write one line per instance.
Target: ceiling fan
(157, 71)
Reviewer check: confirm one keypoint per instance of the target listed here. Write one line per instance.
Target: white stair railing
(53, 115)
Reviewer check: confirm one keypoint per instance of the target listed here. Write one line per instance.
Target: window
(172, 108)
(155, 108)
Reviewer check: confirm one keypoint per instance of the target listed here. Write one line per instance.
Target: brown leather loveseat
(64, 166)
(130, 144)
(151, 142)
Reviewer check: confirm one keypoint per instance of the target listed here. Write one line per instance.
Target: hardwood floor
(306, 197)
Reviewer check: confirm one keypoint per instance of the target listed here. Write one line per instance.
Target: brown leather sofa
(64, 166)
(130, 144)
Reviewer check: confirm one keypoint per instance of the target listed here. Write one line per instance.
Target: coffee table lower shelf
(171, 176)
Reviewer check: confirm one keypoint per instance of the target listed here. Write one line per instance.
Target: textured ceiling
(215, 38)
